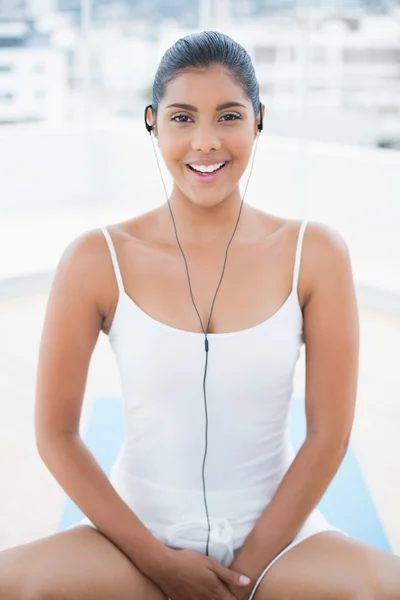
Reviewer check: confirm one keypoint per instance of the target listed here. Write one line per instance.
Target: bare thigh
(331, 566)
(77, 564)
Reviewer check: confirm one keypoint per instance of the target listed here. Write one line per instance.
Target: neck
(197, 225)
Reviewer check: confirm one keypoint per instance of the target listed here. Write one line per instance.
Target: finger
(226, 593)
(230, 576)
(229, 596)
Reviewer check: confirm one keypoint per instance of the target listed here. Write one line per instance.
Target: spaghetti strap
(113, 258)
(298, 254)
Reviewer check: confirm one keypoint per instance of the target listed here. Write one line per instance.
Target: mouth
(205, 176)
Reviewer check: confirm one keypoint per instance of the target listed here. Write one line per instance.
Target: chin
(208, 199)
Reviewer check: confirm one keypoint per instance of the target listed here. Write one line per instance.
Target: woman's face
(205, 120)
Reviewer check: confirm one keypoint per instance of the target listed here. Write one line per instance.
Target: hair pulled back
(202, 50)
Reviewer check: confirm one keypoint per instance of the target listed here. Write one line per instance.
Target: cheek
(242, 142)
(173, 149)
(241, 153)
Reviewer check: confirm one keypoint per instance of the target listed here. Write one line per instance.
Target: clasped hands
(189, 575)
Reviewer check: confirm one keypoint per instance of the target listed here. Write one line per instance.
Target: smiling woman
(206, 487)
(224, 136)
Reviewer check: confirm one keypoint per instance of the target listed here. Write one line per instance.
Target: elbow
(44, 442)
(50, 433)
(334, 445)
(47, 442)
(43, 437)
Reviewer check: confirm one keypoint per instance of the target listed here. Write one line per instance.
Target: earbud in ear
(148, 127)
(260, 125)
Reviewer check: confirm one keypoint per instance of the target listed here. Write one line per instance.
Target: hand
(188, 575)
(244, 592)
(241, 594)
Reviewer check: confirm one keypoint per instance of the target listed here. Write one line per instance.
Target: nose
(205, 138)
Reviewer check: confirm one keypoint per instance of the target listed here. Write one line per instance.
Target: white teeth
(204, 169)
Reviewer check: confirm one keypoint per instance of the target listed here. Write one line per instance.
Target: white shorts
(315, 523)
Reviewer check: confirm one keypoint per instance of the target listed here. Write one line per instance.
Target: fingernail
(244, 579)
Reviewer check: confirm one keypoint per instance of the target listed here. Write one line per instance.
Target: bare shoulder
(83, 250)
(326, 239)
(324, 249)
(325, 256)
(81, 265)
(318, 237)
(84, 277)
(331, 308)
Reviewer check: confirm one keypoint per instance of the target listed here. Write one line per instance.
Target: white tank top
(249, 385)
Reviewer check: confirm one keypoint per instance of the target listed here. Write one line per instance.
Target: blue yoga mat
(347, 503)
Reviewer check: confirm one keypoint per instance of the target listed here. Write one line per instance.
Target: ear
(150, 120)
(258, 120)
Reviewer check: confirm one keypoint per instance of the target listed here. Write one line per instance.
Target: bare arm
(331, 330)
(73, 321)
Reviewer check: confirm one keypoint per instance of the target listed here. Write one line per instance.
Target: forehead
(204, 87)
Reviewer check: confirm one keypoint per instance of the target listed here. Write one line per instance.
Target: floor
(31, 500)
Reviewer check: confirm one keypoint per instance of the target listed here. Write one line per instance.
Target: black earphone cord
(206, 343)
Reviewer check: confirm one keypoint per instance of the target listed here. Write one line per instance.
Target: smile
(206, 173)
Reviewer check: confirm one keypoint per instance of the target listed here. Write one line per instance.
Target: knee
(379, 584)
(38, 593)
(12, 589)
(10, 582)
(362, 586)
(16, 588)
(360, 593)
(386, 584)
(16, 580)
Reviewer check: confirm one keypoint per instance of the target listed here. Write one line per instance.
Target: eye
(179, 117)
(235, 116)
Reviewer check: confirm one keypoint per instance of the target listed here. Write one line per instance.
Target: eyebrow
(194, 109)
